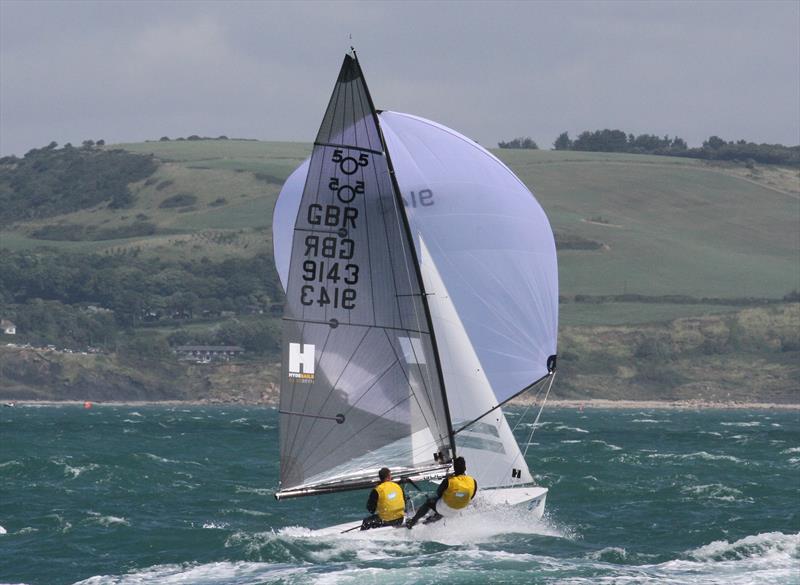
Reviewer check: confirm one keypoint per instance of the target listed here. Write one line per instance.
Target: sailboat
(421, 296)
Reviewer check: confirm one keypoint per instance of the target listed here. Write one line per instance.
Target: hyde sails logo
(301, 362)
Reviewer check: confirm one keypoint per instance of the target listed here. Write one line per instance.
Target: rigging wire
(518, 423)
(536, 420)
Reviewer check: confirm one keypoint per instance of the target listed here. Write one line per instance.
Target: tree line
(91, 299)
(714, 148)
(50, 181)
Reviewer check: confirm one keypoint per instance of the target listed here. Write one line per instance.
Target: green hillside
(666, 225)
(645, 243)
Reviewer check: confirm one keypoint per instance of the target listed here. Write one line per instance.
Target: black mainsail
(361, 386)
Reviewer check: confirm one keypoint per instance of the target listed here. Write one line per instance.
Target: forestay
(360, 387)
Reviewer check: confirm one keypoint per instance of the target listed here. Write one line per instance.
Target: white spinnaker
(489, 237)
(283, 218)
(488, 446)
(492, 244)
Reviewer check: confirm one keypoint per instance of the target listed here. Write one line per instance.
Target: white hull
(531, 498)
(527, 498)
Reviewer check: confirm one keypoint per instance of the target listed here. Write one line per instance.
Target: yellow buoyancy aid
(459, 492)
(391, 504)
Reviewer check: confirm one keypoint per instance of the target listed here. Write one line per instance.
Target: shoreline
(588, 403)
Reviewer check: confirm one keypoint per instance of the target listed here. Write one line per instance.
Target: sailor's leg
(371, 522)
(435, 517)
(429, 505)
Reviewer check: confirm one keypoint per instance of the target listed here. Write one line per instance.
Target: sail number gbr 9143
(329, 270)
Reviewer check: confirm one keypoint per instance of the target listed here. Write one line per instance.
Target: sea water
(184, 494)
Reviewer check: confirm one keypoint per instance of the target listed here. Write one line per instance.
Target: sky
(134, 71)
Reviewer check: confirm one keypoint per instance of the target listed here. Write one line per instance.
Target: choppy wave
(714, 491)
(574, 429)
(608, 445)
(700, 455)
(107, 520)
(771, 545)
(74, 471)
(762, 558)
(634, 503)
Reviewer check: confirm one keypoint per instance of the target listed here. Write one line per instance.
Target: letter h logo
(301, 358)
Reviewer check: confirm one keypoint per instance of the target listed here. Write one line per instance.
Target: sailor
(386, 503)
(453, 495)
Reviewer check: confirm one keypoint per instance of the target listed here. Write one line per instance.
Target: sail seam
(350, 147)
(365, 325)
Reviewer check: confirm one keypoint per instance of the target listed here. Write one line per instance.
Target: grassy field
(668, 225)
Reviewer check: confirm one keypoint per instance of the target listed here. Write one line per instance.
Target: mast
(415, 261)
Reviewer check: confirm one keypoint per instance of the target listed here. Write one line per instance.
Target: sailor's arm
(372, 501)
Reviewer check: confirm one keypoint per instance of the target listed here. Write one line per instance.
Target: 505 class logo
(301, 362)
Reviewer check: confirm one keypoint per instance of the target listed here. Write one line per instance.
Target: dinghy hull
(523, 498)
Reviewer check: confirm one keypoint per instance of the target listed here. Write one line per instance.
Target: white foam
(768, 544)
(165, 460)
(614, 552)
(257, 513)
(258, 491)
(752, 423)
(480, 523)
(231, 573)
(646, 420)
(763, 558)
(75, 472)
(703, 455)
(108, 520)
(575, 429)
(608, 445)
(715, 491)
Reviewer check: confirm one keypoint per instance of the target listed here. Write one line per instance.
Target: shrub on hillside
(522, 142)
(179, 200)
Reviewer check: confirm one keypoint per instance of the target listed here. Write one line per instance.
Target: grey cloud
(129, 71)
